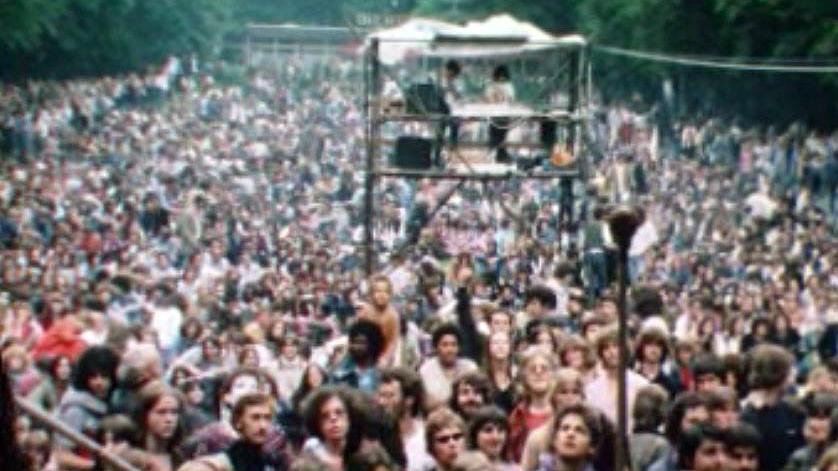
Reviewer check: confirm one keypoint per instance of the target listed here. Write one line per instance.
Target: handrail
(42, 416)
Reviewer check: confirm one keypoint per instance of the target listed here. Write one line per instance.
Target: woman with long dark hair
(333, 425)
(290, 416)
(500, 369)
(159, 424)
(54, 383)
(312, 378)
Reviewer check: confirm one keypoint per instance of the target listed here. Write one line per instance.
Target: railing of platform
(56, 426)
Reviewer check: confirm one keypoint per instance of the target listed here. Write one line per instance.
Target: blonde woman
(568, 389)
(538, 374)
(575, 352)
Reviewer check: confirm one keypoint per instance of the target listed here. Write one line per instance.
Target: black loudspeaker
(412, 153)
(548, 133)
(498, 128)
(425, 98)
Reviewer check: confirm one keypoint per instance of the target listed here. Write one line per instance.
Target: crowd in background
(183, 282)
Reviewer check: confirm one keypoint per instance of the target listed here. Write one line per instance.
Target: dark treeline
(64, 38)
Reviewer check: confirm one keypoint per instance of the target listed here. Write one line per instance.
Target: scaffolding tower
(566, 109)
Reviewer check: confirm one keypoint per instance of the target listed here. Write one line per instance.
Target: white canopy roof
(498, 35)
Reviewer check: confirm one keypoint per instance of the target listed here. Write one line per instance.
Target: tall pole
(623, 222)
(371, 103)
(566, 184)
(574, 81)
(622, 416)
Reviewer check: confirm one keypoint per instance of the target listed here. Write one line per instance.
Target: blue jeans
(596, 271)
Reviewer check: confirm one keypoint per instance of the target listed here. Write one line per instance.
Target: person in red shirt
(539, 372)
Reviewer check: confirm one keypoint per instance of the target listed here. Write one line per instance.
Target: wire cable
(714, 64)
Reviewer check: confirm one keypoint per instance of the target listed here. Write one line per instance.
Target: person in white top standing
(602, 391)
(453, 89)
(500, 91)
(438, 373)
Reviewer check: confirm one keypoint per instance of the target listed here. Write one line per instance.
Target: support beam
(442, 201)
(372, 106)
(447, 175)
(41, 416)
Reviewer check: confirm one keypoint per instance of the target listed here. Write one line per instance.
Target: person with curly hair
(85, 404)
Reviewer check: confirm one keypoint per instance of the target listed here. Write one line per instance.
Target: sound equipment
(425, 98)
(547, 132)
(412, 153)
(498, 128)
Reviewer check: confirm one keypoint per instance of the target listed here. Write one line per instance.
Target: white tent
(497, 35)
(409, 39)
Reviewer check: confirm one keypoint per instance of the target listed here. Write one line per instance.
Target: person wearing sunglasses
(445, 436)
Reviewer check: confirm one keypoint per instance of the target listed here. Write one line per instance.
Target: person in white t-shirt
(601, 392)
(500, 92)
(438, 373)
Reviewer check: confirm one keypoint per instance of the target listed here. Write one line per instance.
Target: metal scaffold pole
(371, 103)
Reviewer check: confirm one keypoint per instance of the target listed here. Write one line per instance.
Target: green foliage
(93, 37)
(314, 12)
(553, 15)
(746, 29)
(263, 11)
(26, 21)
(725, 28)
(61, 38)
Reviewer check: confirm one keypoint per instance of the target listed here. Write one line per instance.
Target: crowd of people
(183, 282)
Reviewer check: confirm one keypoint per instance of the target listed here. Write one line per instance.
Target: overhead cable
(714, 63)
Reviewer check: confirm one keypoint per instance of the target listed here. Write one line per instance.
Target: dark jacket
(246, 457)
(216, 438)
(82, 411)
(781, 425)
(470, 344)
(828, 343)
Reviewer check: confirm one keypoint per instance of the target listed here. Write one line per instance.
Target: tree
(558, 16)
(26, 21)
(94, 37)
(729, 28)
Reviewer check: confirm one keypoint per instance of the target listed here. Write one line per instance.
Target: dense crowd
(182, 281)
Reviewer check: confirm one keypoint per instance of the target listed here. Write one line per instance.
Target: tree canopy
(61, 38)
(768, 30)
(64, 38)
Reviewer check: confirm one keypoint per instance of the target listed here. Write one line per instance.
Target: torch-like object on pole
(623, 220)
